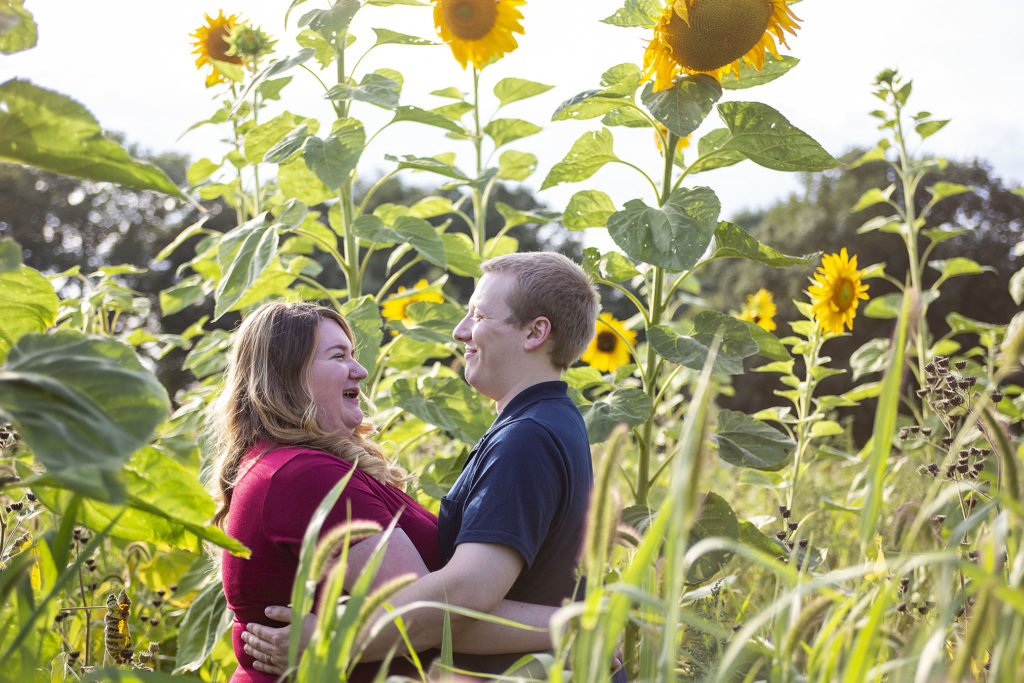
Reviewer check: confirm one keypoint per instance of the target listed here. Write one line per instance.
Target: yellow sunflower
(212, 44)
(713, 36)
(394, 308)
(478, 31)
(607, 351)
(760, 309)
(836, 290)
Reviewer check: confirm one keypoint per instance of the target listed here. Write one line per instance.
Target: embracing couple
(289, 427)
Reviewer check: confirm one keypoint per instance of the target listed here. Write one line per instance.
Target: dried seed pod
(902, 607)
(792, 526)
(781, 535)
(803, 543)
(927, 431)
(960, 365)
(997, 396)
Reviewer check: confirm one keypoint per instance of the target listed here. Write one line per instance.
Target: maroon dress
(271, 505)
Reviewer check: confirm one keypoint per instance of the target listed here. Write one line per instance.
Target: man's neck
(552, 375)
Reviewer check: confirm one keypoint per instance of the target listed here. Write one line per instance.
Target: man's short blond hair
(550, 285)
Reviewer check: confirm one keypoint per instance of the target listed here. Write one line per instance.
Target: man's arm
(477, 577)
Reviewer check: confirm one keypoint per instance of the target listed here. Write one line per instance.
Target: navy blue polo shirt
(526, 485)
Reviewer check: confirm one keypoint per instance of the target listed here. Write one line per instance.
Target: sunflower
(478, 31)
(212, 45)
(712, 36)
(610, 347)
(394, 308)
(681, 144)
(760, 309)
(836, 290)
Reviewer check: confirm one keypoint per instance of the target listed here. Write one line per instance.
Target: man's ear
(537, 332)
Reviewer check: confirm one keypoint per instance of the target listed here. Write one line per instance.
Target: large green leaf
(504, 131)
(767, 138)
(589, 104)
(10, 255)
(446, 402)
(17, 29)
(692, 351)
(423, 238)
(684, 106)
(513, 165)
(206, 621)
(745, 441)
(587, 155)
(375, 88)
(80, 400)
(715, 518)
(363, 316)
(588, 209)
(334, 159)
(636, 14)
(260, 140)
(243, 254)
(430, 118)
(711, 152)
(29, 304)
(673, 236)
(751, 76)
(296, 180)
(389, 37)
(732, 241)
(47, 130)
(463, 259)
(509, 90)
(430, 164)
(629, 404)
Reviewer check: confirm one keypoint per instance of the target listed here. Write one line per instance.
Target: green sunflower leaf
(430, 118)
(673, 236)
(928, 128)
(297, 180)
(446, 402)
(711, 152)
(750, 76)
(242, 255)
(17, 28)
(956, 266)
(714, 518)
(732, 241)
(334, 159)
(635, 14)
(617, 268)
(205, 623)
(261, 139)
(363, 315)
(629, 405)
(684, 106)
(288, 145)
(504, 131)
(10, 255)
(375, 88)
(587, 155)
(509, 90)
(80, 401)
(514, 165)
(29, 304)
(388, 37)
(589, 104)
(427, 164)
(47, 130)
(767, 138)
(588, 209)
(692, 352)
(423, 238)
(462, 257)
(744, 441)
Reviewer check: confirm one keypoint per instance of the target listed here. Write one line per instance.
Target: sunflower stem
(479, 225)
(803, 411)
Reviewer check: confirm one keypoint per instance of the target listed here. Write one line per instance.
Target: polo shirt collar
(530, 395)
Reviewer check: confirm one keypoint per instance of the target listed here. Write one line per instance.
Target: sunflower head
(395, 307)
(249, 43)
(212, 45)
(610, 347)
(478, 31)
(713, 36)
(835, 292)
(760, 309)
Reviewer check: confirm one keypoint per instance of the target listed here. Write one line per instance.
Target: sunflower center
(606, 342)
(469, 19)
(844, 294)
(217, 46)
(719, 32)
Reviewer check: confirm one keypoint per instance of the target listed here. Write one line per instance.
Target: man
(513, 523)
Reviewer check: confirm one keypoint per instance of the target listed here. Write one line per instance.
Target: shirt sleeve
(298, 488)
(517, 491)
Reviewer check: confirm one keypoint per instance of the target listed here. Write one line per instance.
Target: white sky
(129, 62)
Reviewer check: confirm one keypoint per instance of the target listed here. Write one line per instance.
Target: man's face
(494, 347)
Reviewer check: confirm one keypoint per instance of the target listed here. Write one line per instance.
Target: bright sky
(129, 62)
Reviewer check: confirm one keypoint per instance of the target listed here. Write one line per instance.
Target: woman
(288, 427)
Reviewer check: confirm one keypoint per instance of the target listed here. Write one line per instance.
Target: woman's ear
(537, 332)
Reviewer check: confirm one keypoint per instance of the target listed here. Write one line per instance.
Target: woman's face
(334, 377)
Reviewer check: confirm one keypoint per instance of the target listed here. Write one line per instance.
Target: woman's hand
(269, 645)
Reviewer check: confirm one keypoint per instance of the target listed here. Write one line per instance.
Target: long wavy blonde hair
(266, 397)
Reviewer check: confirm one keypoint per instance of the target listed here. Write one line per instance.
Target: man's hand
(269, 645)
